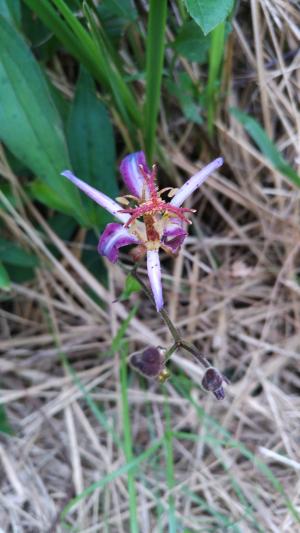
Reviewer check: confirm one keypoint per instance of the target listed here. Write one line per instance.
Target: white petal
(195, 181)
(107, 203)
(154, 273)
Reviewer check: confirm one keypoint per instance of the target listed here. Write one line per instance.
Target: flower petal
(132, 176)
(173, 235)
(154, 274)
(195, 181)
(114, 237)
(107, 203)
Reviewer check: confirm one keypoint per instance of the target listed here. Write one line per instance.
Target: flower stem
(179, 341)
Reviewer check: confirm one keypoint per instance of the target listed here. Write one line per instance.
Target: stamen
(122, 200)
(144, 173)
(173, 191)
(131, 197)
(164, 190)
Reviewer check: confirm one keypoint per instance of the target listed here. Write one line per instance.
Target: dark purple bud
(149, 362)
(212, 381)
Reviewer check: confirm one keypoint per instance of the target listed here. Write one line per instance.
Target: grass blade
(124, 469)
(134, 528)
(216, 53)
(154, 69)
(78, 41)
(266, 146)
(169, 466)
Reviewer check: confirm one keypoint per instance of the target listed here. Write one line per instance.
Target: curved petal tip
(114, 237)
(219, 162)
(132, 175)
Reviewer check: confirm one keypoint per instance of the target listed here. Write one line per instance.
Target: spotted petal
(195, 181)
(154, 274)
(114, 237)
(173, 235)
(132, 175)
(107, 203)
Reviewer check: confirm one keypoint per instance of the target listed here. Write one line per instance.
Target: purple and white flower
(147, 220)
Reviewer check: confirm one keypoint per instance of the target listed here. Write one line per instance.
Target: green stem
(179, 341)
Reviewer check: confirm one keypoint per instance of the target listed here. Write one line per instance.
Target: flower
(147, 219)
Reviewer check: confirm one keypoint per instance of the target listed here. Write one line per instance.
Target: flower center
(148, 209)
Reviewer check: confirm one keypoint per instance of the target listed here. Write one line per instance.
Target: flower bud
(213, 381)
(149, 362)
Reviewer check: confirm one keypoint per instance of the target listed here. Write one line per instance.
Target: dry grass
(233, 291)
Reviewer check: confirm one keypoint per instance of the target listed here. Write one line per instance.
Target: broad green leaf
(113, 23)
(11, 11)
(92, 145)
(39, 190)
(63, 225)
(29, 122)
(4, 278)
(266, 146)
(121, 8)
(208, 13)
(14, 255)
(36, 32)
(191, 42)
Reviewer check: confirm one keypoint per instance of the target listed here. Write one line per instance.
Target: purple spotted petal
(107, 203)
(174, 235)
(154, 274)
(132, 176)
(114, 237)
(195, 181)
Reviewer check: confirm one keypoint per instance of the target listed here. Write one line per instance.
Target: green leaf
(4, 278)
(188, 96)
(64, 226)
(266, 146)
(11, 11)
(14, 255)
(208, 13)
(121, 8)
(92, 145)
(91, 259)
(4, 424)
(36, 32)
(131, 286)
(29, 122)
(39, 190)
(191, 42)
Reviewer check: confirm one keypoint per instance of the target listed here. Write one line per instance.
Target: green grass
(128, 446)
(155, 46)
